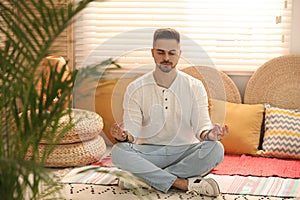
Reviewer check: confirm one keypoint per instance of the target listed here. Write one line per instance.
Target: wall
(295, 37)
(241, 82)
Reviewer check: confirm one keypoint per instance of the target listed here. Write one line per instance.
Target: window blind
(2, 36)
(62, 46)
(229, 35)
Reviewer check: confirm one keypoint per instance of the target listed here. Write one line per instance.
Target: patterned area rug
(261, 186)
(93, 175)
(96, 192)
(245, 185)
(104, 173)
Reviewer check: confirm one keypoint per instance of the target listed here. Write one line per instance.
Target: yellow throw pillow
(244, 122)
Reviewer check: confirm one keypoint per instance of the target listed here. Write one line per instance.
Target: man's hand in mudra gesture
(217, 133)
(119, 134)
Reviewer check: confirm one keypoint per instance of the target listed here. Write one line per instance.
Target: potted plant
(28, 114)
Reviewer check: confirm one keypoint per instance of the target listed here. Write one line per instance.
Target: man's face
(166, 53)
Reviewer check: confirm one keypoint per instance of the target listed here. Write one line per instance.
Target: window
(60, 47)
(2, 24)
(230, 35)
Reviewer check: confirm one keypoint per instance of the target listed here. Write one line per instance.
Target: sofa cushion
(282, 133)
(244, 122)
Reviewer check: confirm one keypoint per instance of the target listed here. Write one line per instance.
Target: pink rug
(258, 166)
(246, 166)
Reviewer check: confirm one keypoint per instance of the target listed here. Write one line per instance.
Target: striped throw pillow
(282, 133)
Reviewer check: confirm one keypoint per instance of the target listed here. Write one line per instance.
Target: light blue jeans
(160, 166)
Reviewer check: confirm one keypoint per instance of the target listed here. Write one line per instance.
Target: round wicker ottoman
(81, 145)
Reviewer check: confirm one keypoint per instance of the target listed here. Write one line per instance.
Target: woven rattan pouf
(81, 145)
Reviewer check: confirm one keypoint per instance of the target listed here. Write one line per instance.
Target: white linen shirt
(166, 116)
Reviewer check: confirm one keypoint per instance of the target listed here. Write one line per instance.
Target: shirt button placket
(166, 102)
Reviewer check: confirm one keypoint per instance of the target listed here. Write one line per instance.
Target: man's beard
(165, 69)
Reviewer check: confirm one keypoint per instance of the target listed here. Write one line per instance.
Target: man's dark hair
(166, 33)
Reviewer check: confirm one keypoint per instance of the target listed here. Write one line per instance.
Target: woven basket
(80, 145)
(75, 154)
(217, 84)
(87, 125)
(277, 82)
